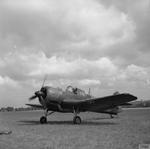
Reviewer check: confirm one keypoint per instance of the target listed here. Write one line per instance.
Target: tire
(43, 120)
(77, 120)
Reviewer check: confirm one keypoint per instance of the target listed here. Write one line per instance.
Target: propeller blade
(44, 80)
(32, 97)
(41, 93)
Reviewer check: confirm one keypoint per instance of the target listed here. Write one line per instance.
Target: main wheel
(43, 120)
(77, 120)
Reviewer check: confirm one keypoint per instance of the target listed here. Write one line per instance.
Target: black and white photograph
(74, 74)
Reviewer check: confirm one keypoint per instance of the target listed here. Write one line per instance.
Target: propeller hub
(39, 93)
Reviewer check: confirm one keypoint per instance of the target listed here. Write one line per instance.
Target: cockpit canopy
(75, 90)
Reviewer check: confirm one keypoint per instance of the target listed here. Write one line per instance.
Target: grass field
(97, 131)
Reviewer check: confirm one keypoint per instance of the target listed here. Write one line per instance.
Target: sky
(101, 44)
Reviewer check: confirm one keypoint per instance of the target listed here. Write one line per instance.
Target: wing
(35, 106)
(98, 104)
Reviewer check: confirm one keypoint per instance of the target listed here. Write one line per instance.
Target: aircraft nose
(39, 93)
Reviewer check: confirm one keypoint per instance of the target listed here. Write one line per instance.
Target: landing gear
(43, 120)
(77, 120)
(111, 116)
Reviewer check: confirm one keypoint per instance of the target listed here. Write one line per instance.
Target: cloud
(58, 69)
(88, 82)
(76, 26)
(138, 11)
(133, 73)
(34, 65)
(137, 72)
(103, 44)
(8, 81)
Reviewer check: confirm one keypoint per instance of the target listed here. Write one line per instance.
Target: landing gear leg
(117, 115)
(76, 119)
(43, 119)
(111, 116)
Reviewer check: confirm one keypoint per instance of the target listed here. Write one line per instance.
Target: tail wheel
(77, 120)
(43, 120)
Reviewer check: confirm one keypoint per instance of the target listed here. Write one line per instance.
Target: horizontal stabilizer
(126, 104)
(35, 106)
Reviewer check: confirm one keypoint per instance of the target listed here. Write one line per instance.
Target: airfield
(97, 131)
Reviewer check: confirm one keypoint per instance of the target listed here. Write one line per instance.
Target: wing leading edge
(35, 106)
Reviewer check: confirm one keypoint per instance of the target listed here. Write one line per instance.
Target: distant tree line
(9, 109)
(138, 104)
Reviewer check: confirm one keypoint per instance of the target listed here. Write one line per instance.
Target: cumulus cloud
(39, 64)
(134, 74)
(8, 81)
(88, 82)
(103, 44)
(79, 26)
(36, 65)
(138, 11)
(78, 68)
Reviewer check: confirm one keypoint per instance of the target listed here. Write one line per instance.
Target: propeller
(40, 93)
(32, 97)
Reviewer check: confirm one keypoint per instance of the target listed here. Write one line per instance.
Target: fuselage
(59, 100)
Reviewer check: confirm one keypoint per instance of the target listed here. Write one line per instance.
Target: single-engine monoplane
(74, 100)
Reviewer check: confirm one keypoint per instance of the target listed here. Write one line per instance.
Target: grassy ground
(97, 131)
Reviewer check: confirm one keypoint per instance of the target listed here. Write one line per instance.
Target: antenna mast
(89, 91)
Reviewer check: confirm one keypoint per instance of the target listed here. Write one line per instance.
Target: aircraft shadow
(97, 118)
(84, 122)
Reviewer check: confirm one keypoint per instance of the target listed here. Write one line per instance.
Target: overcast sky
(102, 44)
